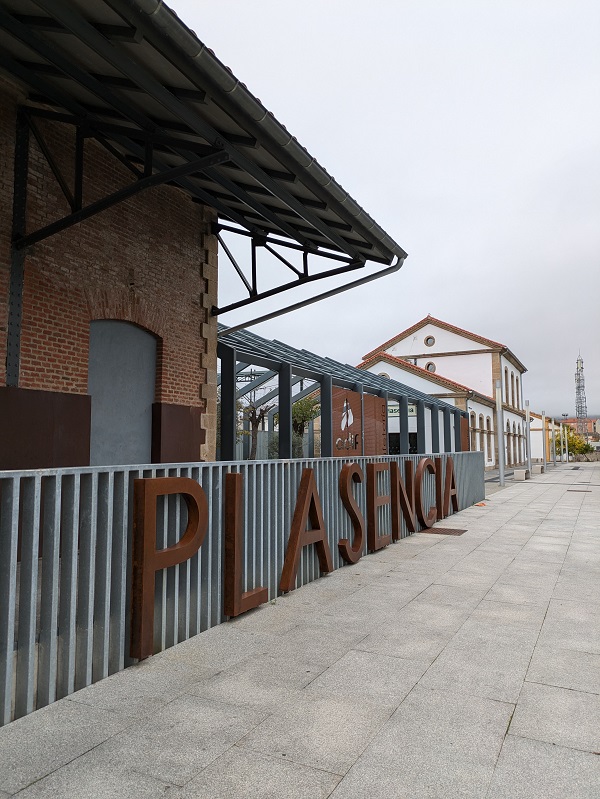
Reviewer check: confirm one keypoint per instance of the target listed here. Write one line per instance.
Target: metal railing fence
(65, 560)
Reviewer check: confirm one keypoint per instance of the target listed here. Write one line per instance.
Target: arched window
(508, 446)
(506, 397)
(488, 426)
(512, 388)
(514, 443)
(518, 380)
(520, 440)
(481, 434)
(122, 384)
(473, 426)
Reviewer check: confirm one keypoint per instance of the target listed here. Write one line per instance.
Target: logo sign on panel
(347, 422)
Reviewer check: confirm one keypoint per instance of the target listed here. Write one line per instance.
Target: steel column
(17, 262)
(228, 402)
(403, 420)
(285, 410)
(435, 428)
(326, 417)
(447, 431)
(457, 431)
(421, 438)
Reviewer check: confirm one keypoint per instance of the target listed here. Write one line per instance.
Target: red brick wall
(149, 260)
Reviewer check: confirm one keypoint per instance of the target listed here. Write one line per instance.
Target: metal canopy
(131, 75)
(253, 349)
(289, 364)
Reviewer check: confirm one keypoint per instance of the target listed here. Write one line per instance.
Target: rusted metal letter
(235, 601)
(147, 560)
(375, 501)
(430, 518)
(351, 553)
(450, 490)
(308, 505)
(403, 498)
(439, 489)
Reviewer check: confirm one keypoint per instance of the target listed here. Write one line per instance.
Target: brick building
(127, 153)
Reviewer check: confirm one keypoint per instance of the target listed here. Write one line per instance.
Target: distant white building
(461, 367)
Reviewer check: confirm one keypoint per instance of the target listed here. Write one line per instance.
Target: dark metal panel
(43, 429)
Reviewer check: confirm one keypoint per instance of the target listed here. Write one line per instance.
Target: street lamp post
(528, 434)
(565, 416)
(500, 431)
(544, 439)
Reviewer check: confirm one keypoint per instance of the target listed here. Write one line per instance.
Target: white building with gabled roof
(461, 367)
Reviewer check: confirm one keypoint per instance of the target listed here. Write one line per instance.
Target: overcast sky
(470, 131)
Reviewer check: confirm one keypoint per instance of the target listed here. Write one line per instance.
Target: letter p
(147, 560)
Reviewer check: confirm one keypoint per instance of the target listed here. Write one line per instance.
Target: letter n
(403, 498)
(147, 560)
(235, 601)
(374, 502)
(308, 506)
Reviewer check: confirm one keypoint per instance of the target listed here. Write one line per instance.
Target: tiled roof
(417, 370)
(488, 342)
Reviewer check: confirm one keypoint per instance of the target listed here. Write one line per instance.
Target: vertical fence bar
(9, 534)
(118, 571)
(101, 631)
(31, 489)
(68, 585)
(48, 646)
(88, 528)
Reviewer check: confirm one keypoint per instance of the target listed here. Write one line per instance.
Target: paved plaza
(443, 666)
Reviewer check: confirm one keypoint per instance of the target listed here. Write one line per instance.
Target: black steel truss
(149, 176)
(303, 276)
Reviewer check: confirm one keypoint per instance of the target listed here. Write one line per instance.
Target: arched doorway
(121, 382)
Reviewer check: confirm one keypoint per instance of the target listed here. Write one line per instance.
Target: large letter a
(308, 505)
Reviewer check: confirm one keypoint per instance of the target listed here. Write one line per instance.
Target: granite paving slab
(565, 668)
(321, 732)
(530, 769)
(437, 744)
(40, 743)
(244, 774)
(558, 716)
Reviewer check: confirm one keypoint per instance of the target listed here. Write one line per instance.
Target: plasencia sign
(307, 529)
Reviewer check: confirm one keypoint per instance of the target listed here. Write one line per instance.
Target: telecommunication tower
(580, 401)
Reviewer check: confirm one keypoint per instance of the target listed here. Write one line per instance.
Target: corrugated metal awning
(132, 73)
